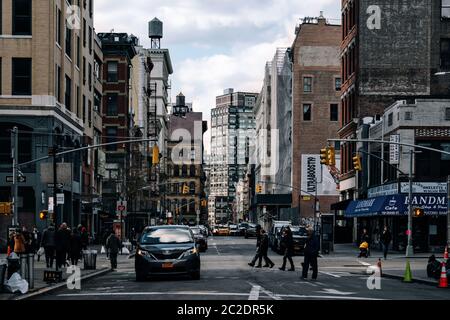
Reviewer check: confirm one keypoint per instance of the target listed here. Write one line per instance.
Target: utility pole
(448, 211)
(15, 157)
(410, 247)
(54, 151)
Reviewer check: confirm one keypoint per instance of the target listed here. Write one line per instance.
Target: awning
(340, 205)
(397, 205)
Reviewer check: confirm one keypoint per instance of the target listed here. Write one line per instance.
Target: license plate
(167, 265)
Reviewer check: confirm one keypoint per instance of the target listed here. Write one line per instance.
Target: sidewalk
(40, 287)
(394, 266)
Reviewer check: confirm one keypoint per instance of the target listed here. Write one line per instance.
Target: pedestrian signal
(43, 215)
(357, 163)
(5, 208)
(418, 212)
(204, 203)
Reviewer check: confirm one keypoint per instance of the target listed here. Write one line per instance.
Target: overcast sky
(214, 44)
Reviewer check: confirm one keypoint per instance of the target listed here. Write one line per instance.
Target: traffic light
(5, 208)
(155, 155)
(324, 156)
(185, 189)
(259, 188)
(418, 212)
(357, 162)
(331, 156)
(43, 215)
(204, 203)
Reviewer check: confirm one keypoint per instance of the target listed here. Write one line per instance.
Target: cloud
(214, 44)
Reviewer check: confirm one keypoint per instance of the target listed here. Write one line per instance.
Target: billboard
(317, 178)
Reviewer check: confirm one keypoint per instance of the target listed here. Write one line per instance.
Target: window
(112, 71)
(84, 108)
(111, 136)
(97, 101)
(334, 112)
(21, 17)
(84, 70)
(192, 188)
(390, 119)
(408, 115)
(78, 101)
(307, 112)
(307, 84)
(111, 107)
(90, 113)
(447, 113)
(78, 51)
(1, 11)
(192, 171)
(68, 41)
(445, 9)
(90, 40)
(90, 77)
(21, 76)
(445, 54)
(58, 27)
(84, 33)
(68, 95)
(91, 8)
(337, 84)
(176, 171)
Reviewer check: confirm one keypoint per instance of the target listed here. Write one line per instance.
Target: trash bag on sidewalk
(103, 250)
(125, 251)
(41, 251)
(16, 284)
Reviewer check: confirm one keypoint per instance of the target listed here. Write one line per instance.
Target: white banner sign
(425, 187)
(312, 172)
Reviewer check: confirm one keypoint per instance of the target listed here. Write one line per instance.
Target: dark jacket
(62, 240)
(28, 241)
(75, 245)
(48, 238)
(258, 236)
(113, 244)
(287, 244)
(84, 238)
(264, 244)
(386, 237)
(312, 246)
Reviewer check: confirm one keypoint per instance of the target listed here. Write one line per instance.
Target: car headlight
(189, 253)
(144, 253)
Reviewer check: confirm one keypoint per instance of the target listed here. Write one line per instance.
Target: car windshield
(299, 231)
(167, 236)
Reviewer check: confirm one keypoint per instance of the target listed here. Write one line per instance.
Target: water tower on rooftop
(155, 33)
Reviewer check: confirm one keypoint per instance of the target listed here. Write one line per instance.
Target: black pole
(55, 203)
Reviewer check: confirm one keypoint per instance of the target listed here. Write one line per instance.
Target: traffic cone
(408, 275)
(443, 281)
(379, 267)
(446, 253)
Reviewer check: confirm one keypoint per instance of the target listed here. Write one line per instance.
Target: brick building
(315, 111)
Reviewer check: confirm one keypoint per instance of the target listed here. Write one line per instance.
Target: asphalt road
(226, 276)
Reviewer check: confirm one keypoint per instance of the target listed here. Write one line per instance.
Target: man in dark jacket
(258, 240)
(62, 245)
(311, 254)
(287, 244)
(113, 245)
(84, 238)
(263, 249)
(48, 242)
(75, 247)
(386, 241)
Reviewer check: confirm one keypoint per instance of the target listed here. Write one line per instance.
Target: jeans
(385, 250)
(255, 257)
(61, 258)
(266, 259)
(310, 260)
(287, 256)
(49, 256)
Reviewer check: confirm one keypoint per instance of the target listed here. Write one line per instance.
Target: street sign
(58, 185)
(121, 206)
(394, 149)
(59, 198)
(50, 204)
(21, 179)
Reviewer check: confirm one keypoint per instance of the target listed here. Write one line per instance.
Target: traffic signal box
(324, 156)
(258, 188)
(185, 189)
(155, 155)
(328, 156)
(204, 203)
(357, 163)
(43, 215)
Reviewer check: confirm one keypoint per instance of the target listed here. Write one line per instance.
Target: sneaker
(272, 265)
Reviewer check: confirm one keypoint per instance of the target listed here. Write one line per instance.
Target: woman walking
(287, 243)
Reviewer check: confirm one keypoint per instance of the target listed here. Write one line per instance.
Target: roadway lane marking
(364, 263)
(254, 293)
(266, 292)
(330, 274)
(230, 294)
(336, 292)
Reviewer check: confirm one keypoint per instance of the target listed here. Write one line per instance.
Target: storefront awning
(340, 205)
(396, 205)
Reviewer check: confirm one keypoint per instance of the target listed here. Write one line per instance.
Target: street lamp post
(410, 247)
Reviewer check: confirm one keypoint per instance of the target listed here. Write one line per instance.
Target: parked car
(300, 235)
(167, 250)
(275, 234)
(234, 230)
(204, 230)
(200, 239)
(250, 232)
(243, 226)
(222, 231)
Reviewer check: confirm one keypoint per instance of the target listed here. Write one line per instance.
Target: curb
(422, 281)
(62, 284)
